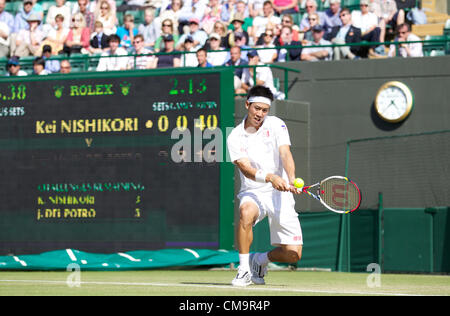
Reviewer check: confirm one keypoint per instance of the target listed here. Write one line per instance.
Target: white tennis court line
(228, 287)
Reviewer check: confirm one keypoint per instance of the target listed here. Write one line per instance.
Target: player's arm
(289, 165)
(250, 172)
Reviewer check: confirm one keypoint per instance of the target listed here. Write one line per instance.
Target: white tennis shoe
(258, 271)
(243, 278)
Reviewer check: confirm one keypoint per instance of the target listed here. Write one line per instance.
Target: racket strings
(340, 194)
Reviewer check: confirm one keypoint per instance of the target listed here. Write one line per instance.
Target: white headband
(260, 100)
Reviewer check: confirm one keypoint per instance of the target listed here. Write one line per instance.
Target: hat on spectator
(239, 17)
(14, 60)
(215, 35)
(365, 2)
(239, 35)
(318, 27)
(335, 1)
(27, 1)
(194, 20)
(34, 17)
(252, 53)
(46, 48)
(168, 38)
(189, 39)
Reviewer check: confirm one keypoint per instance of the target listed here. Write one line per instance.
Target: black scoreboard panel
(94, 162)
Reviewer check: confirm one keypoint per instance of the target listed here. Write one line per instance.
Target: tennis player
(260, 147)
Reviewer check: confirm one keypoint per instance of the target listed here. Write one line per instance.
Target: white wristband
(260, 176)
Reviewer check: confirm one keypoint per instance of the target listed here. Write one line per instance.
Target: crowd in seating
(214, 32)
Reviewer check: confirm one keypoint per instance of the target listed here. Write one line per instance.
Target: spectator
(202, 58)
(108, 18)
(197, 34)
(313, 20)
(59, 8)
(127, 32)
(367, 22)
(192, 9)
(289, 54)
(99, 40)
(287, 20)
(189, 60)
(331, 16)
(260, 23)
(269, 54)
(167, 28)
(255, 8)
(39, 67)
(66, 67)
(6, 17)
(218, 56)
(241, 42)
(111, 59)
(170, 60)
(51, 65)
(150, 28)
(282, 7)
(57, 36)
(388, 14)
(13, 67)
(38, 9)
(141, 62)
(263, 75)
(87, 9)
(28, 41)
(405, 49)
(236, 60)
(79, 36)
(311, 7)
(174, 15)
(21, 19)
(317, 53)
(212, 14)
(230, 38)
(221, 29)
(4, 39)
(231, 7)
(345, 34)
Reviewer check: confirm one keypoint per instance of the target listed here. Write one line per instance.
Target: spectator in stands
(170, 60)
(231, 8)
(150, 29)
(269, 54)
(289, 54)
(141, 62)
(331, 16)
(21, 19)
(99, 40)
(405, 49)
(260, 23)
(367, 22)
(317, 53)
(28, 41)
(189, 60)
(288, 20)
(218, 56)
(111, 59)
(66, 67)
(108, 18)
(174, 15)
(311, 7)
(57, 36)
(77, 41)
(345, 34)
(192, 9)
(255, 8)
(13, 67)
(39, 67)
(51, 65)
(127, 32)
(167, 28)
(38, 9)
(313, 20)
(86, 8)
(282, 7)
(221, 29)
(59, 8)
(6, 17)
(202, 58)
(264, 76)
(236, 60)
(212, 14)
(388, 14)
(200, 37)
(4, 39)
(237, 22)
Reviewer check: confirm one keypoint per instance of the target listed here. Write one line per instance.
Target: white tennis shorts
(278, 206)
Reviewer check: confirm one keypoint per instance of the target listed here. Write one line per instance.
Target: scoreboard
(107, 162)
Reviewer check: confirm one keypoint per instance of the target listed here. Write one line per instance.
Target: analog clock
(394, 101)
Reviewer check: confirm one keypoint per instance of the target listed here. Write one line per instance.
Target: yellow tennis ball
(299, 183)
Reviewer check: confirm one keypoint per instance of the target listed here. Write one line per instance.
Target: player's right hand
(278, 183)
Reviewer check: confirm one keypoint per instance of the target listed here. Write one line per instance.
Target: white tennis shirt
(261, 148)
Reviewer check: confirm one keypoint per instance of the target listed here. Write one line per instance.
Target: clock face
(393, 102)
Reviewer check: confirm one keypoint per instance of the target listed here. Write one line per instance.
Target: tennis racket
(336, 193)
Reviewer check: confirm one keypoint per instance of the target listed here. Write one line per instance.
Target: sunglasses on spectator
(167, 25)
(312, 19)
(268, 34)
